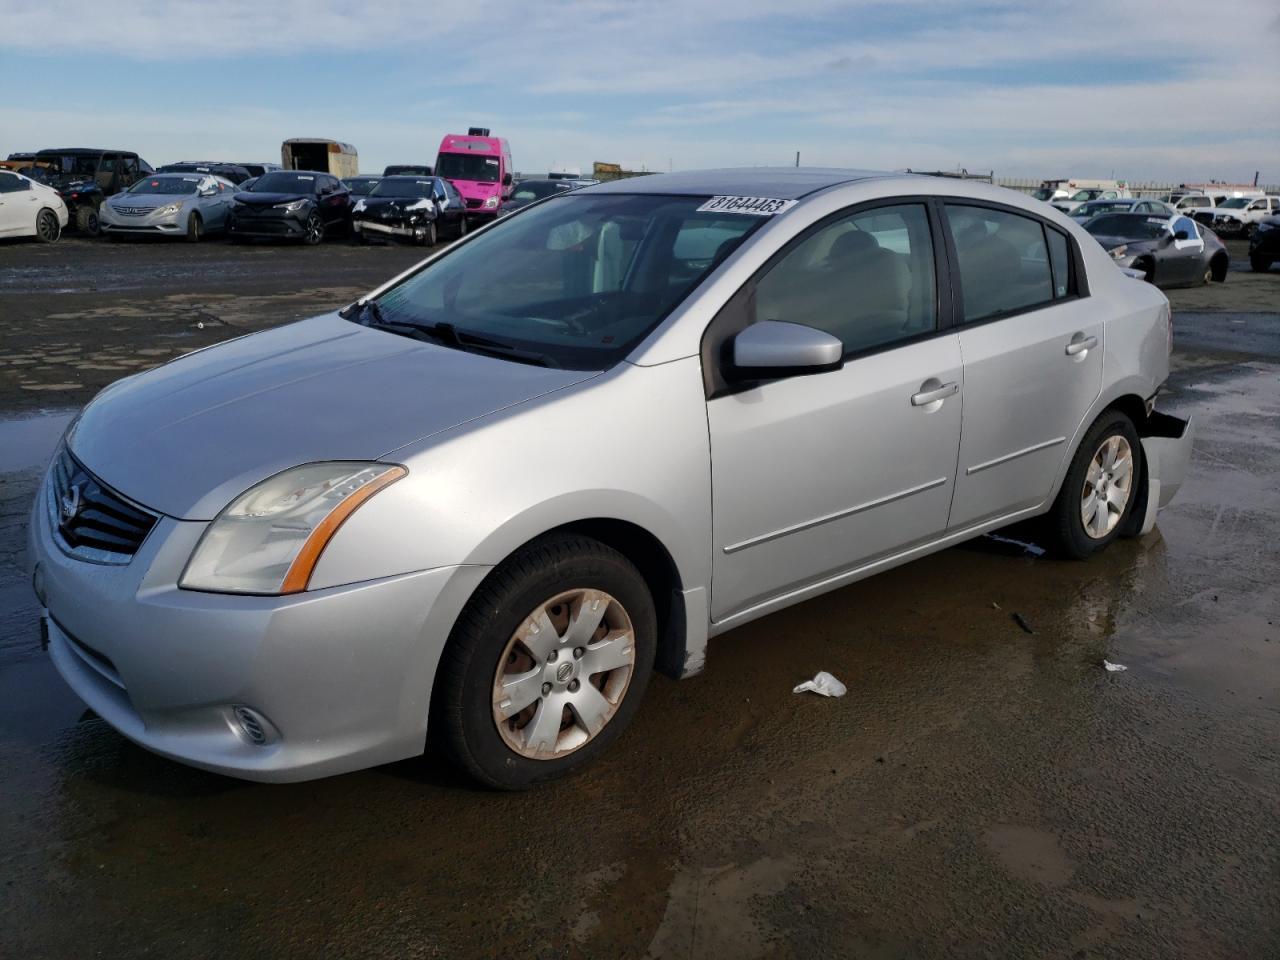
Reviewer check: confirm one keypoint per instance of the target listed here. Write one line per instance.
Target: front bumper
(259, 225)
(1166, 451)
(338, 679)
(390, 228)
(150, 222)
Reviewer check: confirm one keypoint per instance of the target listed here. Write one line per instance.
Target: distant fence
(1149, 188)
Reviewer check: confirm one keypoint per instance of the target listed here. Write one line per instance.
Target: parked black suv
(406, 169)
(85, 177)
(291, 204)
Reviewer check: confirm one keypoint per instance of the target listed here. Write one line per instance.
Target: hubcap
(1107, 485)
(563, 674)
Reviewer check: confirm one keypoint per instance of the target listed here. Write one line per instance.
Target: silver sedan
(486, 501)
(187, 205)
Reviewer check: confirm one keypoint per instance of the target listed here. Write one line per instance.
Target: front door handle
(1081, 344)
(931, 391)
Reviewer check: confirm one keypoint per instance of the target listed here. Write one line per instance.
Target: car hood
(188, 437)
(148, 199)
(253, 199)
(398, 206)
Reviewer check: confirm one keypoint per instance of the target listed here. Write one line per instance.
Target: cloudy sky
(1145, 90)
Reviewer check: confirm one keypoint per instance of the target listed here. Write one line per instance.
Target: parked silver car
(187, 205)
(485, 501)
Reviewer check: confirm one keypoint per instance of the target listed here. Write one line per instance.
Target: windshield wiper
(449, 335)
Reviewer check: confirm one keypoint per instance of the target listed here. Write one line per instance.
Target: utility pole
(797, 158)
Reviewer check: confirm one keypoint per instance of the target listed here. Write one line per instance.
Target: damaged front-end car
(417, 209)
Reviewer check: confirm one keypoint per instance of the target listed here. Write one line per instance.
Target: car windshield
(1235, 203)
(468, 166)
(1095, 207)
(582, 279)
(166, 185)
(1085, 195)
(1128, 226)
(396, 187)
(282, 182)
(361, 187)
(537, 189)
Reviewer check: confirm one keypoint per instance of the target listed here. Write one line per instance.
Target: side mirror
(772, 348)
(1181, 235)
(506, 179)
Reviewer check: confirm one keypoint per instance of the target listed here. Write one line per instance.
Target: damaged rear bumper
(1166, 450)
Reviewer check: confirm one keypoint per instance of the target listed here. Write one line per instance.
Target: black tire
(87, 221)
(1064, 525)
(431, 236)
(359, 239)
(1259, 264)
(1148, 267)
(194, 227)
(48, 230)
(313, 230)
(462, 227)
(1219, 267)
(462, 718)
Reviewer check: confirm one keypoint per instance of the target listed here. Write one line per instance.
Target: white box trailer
(327, 156)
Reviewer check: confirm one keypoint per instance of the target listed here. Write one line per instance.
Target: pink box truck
(480, 167)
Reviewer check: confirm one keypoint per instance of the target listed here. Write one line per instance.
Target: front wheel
(48, 230)
(547, 664)
(87, 221)
(462, 227)
(193, 228)
(1100, 488)
(313, 230)
(430, 235)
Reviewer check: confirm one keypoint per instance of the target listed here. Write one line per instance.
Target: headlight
(291, 207)
(268, 540)
(1117, 253)
(171, 208)
(492, 202)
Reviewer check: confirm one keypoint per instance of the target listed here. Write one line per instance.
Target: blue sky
(1144, 90)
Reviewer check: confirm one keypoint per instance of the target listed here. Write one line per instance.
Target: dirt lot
(981, 791)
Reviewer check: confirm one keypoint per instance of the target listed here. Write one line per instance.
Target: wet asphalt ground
(981, 790)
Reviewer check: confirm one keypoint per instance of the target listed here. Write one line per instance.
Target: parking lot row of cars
(1169, 241)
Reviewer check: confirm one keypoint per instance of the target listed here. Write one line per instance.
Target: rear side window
(1004, 261)
(11, 183)
(1060, 262)
(867, 278)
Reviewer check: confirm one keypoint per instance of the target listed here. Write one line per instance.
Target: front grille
(132, 211)
(92, 519)
(474, 204)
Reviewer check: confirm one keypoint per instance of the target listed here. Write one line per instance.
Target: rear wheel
(547, 664)
(1148, 269)
(87, 221)
(313, 230)
(48, 230)
(194, 226)
(1099, 491)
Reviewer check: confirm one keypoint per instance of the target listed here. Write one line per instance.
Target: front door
(1032, 359)
(815, 475)
(16, 209)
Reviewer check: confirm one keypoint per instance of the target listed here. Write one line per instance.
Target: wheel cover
(314, 228)
(47, 226)
(563, 674)
(1108, 484)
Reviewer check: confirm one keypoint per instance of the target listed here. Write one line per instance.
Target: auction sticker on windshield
(756, 206)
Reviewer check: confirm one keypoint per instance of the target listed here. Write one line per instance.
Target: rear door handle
(1080, 344)
(932, 391)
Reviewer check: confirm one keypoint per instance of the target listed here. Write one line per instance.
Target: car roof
(87, 151)
(780, 183)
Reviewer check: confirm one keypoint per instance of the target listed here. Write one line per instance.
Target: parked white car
(1240, 216)
(1069, 205)
(29, 208)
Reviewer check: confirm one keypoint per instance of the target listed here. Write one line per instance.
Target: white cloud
(707, 82)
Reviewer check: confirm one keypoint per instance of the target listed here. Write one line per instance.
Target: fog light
(253, 726)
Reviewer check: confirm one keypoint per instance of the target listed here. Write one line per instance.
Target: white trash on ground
(823, 683)
(1114, 667)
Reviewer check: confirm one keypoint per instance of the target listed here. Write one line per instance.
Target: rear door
(1032, 347)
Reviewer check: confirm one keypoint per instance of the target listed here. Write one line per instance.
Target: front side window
(1187, 226)
(1004, 262)
(576, 282)
(867, 278)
